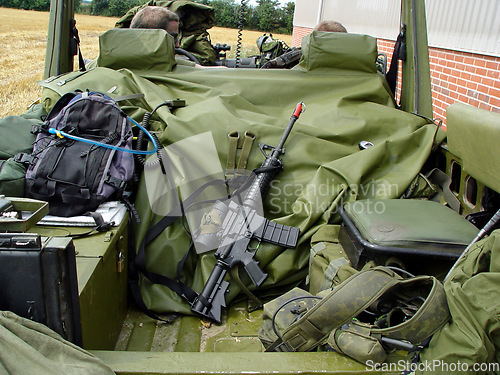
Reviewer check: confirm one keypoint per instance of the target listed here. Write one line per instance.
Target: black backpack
(76, 163)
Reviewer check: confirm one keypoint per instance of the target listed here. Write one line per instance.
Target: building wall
(298, 33)
(464, 40)
(462, 77)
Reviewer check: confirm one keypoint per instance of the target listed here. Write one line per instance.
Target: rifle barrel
(296, 113)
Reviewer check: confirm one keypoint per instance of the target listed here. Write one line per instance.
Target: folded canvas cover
(347, 102)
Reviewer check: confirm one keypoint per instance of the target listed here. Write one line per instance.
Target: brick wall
(464, 77)
(455, 76)
(298, 33)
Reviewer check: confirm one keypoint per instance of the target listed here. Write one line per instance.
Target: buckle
(23, 158)
(116, 182)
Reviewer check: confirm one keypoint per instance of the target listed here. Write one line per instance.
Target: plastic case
(38, 281)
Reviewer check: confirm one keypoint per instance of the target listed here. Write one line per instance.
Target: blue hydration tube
(62, 134)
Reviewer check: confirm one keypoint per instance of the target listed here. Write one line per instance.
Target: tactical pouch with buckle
(375, 304)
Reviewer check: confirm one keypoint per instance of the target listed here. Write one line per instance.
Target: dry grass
(23, 36)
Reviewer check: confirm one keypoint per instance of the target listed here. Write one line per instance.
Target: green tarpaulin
(469, 343)
(347, 102)
(30, 348)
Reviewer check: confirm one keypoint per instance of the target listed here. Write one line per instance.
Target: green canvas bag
(12, 178)
(410, 309)
(30, 348)
(16, 138)
(15, 132)
(472, 336)
(321, 165)
(329, 265)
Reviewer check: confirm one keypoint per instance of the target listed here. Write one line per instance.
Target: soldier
(154, 17)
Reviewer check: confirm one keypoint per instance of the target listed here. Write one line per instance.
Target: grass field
(23, 36)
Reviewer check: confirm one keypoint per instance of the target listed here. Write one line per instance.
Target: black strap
(101, 226)
(140, 258)
(137, 261)
(41, 189)
(399, 53)
(133, 279)
(75, 41)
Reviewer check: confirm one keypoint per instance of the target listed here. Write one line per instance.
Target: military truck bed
(130, 342)
(191, 346)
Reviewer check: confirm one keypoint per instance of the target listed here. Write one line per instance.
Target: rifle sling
(137, 261)
(235, 276)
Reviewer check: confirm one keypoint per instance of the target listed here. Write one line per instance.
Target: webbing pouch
(343, 303)
(364, 342)
(279, 313)
(357, 342)
(408, 310)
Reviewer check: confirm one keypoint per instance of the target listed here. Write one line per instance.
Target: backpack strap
(101, 226)
(75, 46)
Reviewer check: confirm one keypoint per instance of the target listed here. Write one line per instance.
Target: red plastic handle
(298, 110)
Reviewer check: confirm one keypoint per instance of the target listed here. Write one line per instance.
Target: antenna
(241, 20)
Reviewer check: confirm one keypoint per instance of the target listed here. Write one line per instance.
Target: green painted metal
(38, 209)
(142, 335)
(473, 135)
(416, 94)
(103, 299)
(189, 335)
(135, 363)
(58, 59)
(102, 288)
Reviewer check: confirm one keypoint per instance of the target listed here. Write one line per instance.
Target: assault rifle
(240, 224)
